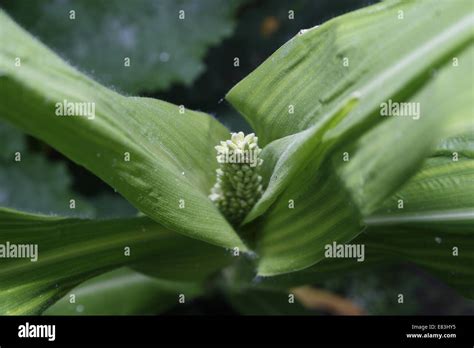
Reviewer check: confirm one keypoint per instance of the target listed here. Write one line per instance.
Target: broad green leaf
(345, 120)
(307, 77)
(442, 187)
(158, 156)
(163, 49)
(386, 71)
(317, 210)
(430, 220)
(285, 157)
(428, 246)
(312, 212)
(123, 292)
(292, 238)
(387, 155)
(461, 144)
(437, 215)
(72, 250)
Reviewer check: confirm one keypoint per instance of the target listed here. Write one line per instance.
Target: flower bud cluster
(239, 184)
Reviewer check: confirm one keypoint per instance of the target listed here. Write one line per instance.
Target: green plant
(333, 170)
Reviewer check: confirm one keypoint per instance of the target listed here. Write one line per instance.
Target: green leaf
(284, 158)
(123, 292)
(437, 215)
(461, 144)
(312, 212)
(264, 97)
(429, 246)
(163, 49)
(387, 155)
(172, 161)
(72, 250)
(339, 114)
(443, 186)
(308, 72)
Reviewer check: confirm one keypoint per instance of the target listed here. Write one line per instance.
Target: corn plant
(363, 135)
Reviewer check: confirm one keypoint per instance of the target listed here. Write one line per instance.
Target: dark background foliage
(188, 62)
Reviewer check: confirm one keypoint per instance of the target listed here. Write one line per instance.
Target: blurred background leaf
(32, 183)
(39, 184)
(11, 141)
(377, 292)
(163, 49)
